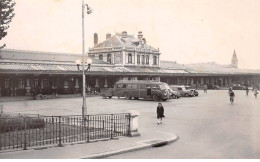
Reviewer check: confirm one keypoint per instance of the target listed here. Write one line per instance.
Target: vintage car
(211, 86)
(194, 91)
(174, 94)
(182, 90)
(238, 87)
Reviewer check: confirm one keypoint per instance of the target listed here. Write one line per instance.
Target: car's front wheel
(155, 97)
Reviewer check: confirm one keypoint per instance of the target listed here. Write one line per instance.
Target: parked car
(182, 90)
(194, 91)
(174, 94)
(238, 87)
(211, 86)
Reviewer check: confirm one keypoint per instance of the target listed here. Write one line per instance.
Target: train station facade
(118, 57)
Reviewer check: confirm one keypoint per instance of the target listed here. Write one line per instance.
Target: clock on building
(118, 59)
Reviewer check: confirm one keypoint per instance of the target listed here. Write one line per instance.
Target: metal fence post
(129, 125)
(59, 145)
(25, 143)
(111, 135)
(88, 128)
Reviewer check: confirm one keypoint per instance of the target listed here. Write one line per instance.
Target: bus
(148, 90)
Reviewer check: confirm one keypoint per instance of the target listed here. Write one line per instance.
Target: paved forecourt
(208, 126)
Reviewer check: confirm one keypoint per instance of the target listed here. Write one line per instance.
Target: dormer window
(109, 58)
(130, 58)
(147, 60)
(100, 57)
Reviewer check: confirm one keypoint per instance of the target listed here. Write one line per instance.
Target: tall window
(143, 60)
(154, 60)
(138, 59)
(100, 57)
(130, 58)
(36, 83)
(21, 84)
(66, 83)
(147, 60)
(45, 83)
(109, 58)
(7, 83)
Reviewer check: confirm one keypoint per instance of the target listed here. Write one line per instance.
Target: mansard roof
(118, 40)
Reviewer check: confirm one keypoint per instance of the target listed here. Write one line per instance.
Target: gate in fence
(23, 132)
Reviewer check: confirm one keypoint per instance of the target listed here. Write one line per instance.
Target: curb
(130, 149)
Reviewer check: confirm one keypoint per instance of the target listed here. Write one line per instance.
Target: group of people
(160, 109)
(232, 94)
(254, 89)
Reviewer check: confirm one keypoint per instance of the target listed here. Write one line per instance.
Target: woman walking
(160, 113)
(255, 92)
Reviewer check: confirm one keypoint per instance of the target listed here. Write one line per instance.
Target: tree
(6, 16)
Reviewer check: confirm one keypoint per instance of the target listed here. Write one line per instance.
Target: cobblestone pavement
(208, 126)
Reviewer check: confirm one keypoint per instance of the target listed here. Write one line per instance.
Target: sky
(186, 31)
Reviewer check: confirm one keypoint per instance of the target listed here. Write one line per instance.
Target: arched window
(109, 58)
(130, 58)
(138, 59)
(154, 60)
(147, 60)
(100, 57)
(143, 60)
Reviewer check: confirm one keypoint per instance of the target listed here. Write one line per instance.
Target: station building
(118, 57)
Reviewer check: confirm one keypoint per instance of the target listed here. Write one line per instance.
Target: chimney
(124, 34)
(95, 39)
(108, 35)
(140, 35)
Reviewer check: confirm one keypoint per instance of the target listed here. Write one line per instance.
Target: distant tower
(234, 61)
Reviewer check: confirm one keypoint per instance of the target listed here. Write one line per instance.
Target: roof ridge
(39, 52)
(119, 39)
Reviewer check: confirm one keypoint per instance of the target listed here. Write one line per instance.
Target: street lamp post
(89, 62)
(84, 108)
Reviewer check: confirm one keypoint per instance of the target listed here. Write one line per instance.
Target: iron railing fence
(23, 132)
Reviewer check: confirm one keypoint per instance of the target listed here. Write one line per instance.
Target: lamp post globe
(78, 61)
(89, 61)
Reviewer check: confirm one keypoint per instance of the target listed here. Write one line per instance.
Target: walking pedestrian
(231, 96)
(247, 90)
(205, 88)
(255, 92)
(160, 113)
